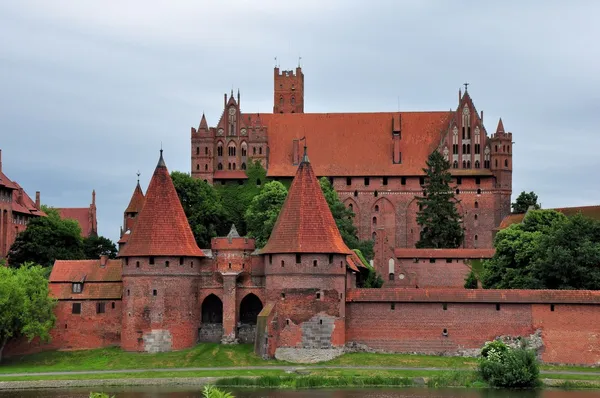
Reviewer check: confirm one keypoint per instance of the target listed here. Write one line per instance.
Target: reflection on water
(189, 392)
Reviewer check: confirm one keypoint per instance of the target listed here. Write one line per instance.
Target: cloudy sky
(90, 89)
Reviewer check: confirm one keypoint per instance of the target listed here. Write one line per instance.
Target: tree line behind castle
(548, 250)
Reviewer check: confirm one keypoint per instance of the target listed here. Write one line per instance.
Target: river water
(170, 392)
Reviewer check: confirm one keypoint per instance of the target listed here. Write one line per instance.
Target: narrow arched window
(455, 164)
(205, 167)
(220, 166)
(243, 166)
(505, 162)
(197, 150)
(468, 164)
(376, 208)
(464, 164)
(476, 205)
(374, 220)
(220, 149)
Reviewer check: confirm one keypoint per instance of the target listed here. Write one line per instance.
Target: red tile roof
(91, 291)
(587, 211)
(305, 223)
(6, 182)
(453, 295)
(25, 205)
(137, 200)
(162, 228)
(354, 262)
(352, 144)
(79, 214)
(90, 270)
(444, 253)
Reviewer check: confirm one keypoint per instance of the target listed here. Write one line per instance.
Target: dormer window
(77, 287)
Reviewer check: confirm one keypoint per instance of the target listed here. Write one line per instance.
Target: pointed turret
(161, 228)
(203, 123)
(305, 223)
(233, 233)
(500, 128)
(137, 200)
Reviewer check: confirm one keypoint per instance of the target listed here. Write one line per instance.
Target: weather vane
(466, 85)
(138, 176)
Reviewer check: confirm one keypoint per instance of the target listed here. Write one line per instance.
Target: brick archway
(211, 327)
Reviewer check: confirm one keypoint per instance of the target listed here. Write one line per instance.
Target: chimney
(225, 100)
(103, 261)
(37, 200)
(20, 196)
(459, 95)
(482, 116)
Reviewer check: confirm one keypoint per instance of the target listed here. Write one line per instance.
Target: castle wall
(450, 322)
(424, 273)
(87, 330)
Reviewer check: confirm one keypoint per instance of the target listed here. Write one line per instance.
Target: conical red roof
(500, 128)
(161, 228)
(305, 223)
(203, 123)
(137, 200)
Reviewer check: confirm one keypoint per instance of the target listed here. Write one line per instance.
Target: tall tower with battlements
(288, 93)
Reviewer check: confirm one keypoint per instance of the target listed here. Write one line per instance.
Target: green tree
(546, 251)
(47, 239)
(96, 246)
(343, 219)
(237, 197)
(203, 207)
(471, 281)
(438, 217)
(262, 212)
(524, 202)
(26, 309)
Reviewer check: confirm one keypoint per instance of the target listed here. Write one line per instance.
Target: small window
(448, 260)
(385, 181)
(403, 180)
(476, 217)
(314, 263)
(445, 332)
(318, 296)
(375, 193)
(126, 260)
(180, 260)
(270, 259)
(137, 264)
(355, 193)
(478, 191)
(197, 150)
(458, 191)
(76, 309)
(476, 238)
(391, 276)
(458, 180)
(415, 260)
(476, 205)
(229, 265)
(432, 260)
(282, 295)
(298, 258)
(477, 180)
(552, 307)
(166, 264)
(367, 181)
(282, 263)
(331, 259)
(287, 321)
(422, 180)
(497, 307)
(260, 151)
(77, 287)
(393, 306)
(505, 162)
(112, 305)
(342, 264)
(100, 308)
(206, 150)
(348, 180)
(151, 261)
(376, 208)
(128, 292)
(445, 307)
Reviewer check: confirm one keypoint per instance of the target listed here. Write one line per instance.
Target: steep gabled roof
(137, 200)
(79, 214)
(305, 223)
(86, 270)
(162, 228)
(353, 144)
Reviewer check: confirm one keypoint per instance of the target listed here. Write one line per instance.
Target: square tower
(288, 94)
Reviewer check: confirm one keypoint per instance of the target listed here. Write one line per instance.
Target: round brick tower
(305, 269)
(160, 273)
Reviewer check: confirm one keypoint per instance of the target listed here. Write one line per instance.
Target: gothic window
(468, 164)
(243, 166)
(468, 149)
(205, 167)
(197, 167)
(293, 100)
(234, 165)
(254, 150)
(220, 166)
(260, 151)
(455, 149)
(374, 221)
(464, 164)
(496, 162)
(466, 123)
(232, 120)
(244, 149)
(464, 148)
(281, 101)
(231, 150)
(374, 235)
(477, 205)
(206, 150)
(477, 164)
(445, 152)
(350, 206)
(505, 162)
(455, 164)
(496, 148)
(229, 166)
(220, 149)
(376, 208)
(197, 150)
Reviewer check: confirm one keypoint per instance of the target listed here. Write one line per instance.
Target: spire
(93, 197)
(305, 223)
(305, 156)
(137, 199)
(233, 233)
(500, 128)
(203, 123)
(161, 228)
(161, 161)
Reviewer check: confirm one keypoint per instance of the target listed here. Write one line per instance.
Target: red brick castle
(374, 160)
(297, 298)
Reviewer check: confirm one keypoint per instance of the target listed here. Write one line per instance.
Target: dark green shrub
(471, 281)
(515, 368)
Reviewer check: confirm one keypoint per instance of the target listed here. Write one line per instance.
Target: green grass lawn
(218, 356)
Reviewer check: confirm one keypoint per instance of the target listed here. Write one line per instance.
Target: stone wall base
(307, 355)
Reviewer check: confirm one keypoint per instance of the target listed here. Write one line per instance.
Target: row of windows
(100, 308)
(5, 196)
(232, 150)
(504, 148)
(292, 100)
(486, 164)
(152, 261)
(154, 292)
(299, 260)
